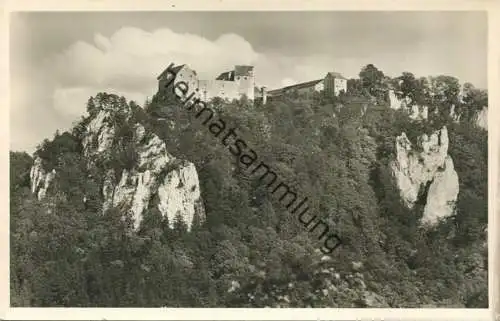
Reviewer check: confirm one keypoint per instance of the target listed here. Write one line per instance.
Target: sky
(59, 59)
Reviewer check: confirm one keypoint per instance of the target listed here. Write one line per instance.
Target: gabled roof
(174, 70)
(334, 74)
(305, 84)
(228, 76)
(297, 86)
(240, 70)
(276, 91)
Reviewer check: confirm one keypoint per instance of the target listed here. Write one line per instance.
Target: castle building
(333, 84)
(228, 85)
(305, 88)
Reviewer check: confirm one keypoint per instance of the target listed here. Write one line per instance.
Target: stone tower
(244, 77)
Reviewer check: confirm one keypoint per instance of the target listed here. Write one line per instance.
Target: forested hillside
(249, 251)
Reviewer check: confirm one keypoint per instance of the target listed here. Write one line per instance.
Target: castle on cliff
(240, 82)
(228, 85)
(333, 84)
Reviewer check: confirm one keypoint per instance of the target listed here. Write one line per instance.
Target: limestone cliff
(99, 134)
(426, 170)
(481, 119)
(157, 173)
(40, 178)
(156, 178)
(414, 111)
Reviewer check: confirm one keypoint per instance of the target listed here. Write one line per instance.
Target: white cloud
(72, 101)
(127, 63)
(134, 53)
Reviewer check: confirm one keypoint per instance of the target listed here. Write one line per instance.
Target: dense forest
(249, 252)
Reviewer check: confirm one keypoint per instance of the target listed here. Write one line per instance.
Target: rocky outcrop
(99, 135)
(418, 112)
(415, 111)
(157, 173)
(396, 102)
(427, 170)
(156, 179)
(40, 178)
(481, 119)
(442, 193)
(454, 115)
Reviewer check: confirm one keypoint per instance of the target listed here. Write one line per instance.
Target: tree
(180, 226)
(444, 91)
(354, 87)
(91, 107)
(373, 80)
(474, 100)
(248, 250)
(20, 166)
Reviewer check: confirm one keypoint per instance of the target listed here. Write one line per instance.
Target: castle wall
(185, 74)
(189, 76)
(307, 91)
(243, 84)
(209, 89)
(339, 85)
(329, 85)
(334, 85)
(246, 86)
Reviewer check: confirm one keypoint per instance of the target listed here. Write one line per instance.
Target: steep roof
(240, 70)
(228, 75)
(304, 84)
(174, 70)
(275, 91)
(296, 86)
(335, 75)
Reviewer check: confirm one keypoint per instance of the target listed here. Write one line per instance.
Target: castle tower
(244, 77)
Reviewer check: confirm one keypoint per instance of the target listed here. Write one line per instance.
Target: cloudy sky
(59, 60)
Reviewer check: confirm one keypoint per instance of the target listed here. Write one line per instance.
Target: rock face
(427, 168)
(40, 179)
(156, 179)
(415, 112)
(159, 174)
(395, 102)
(419, 112)
(99, 134)
(482, 118)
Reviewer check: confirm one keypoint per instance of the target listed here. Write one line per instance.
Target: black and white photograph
(248, 159)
